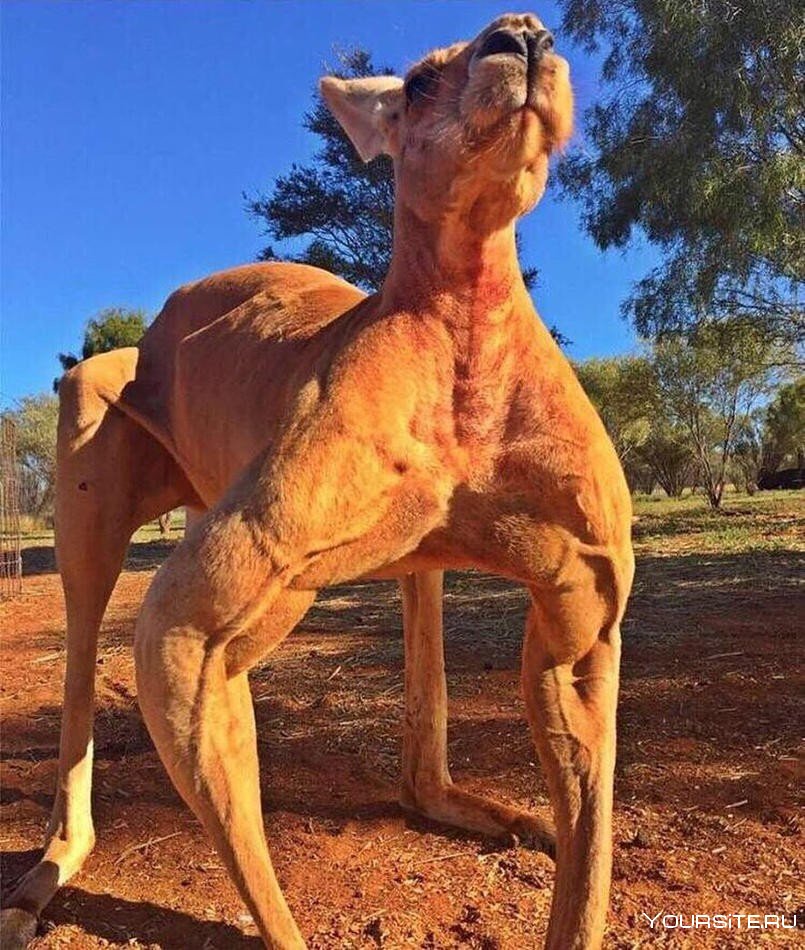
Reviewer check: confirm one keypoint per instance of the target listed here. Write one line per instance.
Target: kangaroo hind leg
(427, 787)
(111, 478)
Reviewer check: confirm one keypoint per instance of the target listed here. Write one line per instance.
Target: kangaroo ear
(368, 111)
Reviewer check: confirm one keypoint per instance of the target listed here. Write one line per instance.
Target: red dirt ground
(706, 814)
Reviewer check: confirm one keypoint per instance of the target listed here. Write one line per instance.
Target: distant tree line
(35, 419)
(703, 410)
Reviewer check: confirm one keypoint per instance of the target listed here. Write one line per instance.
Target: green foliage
(751, 458)
(668, 453)
(699, 142)
(35, 419)
(621, 389)
(625, 391)
(708, 383)
(692, 405)
(785, 423)
(774, 436)
(112, 329)
(345, 207)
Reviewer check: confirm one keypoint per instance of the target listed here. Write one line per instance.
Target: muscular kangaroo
(322, 435)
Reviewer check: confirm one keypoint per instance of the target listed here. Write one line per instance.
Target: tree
(751, 457)
(35, 419)
(709, 382)
(699, 143)
(639, 476)
(345, 208)
(668, 454)
(111, 329)
(621, 389)
(784, 431)
(773, 435)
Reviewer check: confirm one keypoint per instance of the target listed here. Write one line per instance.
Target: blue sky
(131, 128)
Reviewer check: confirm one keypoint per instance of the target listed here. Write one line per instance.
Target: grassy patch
(766, 521)
(37, 534)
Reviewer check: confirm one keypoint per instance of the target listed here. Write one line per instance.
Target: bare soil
(706, 789)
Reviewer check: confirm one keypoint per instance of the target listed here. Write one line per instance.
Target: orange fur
(330, 435)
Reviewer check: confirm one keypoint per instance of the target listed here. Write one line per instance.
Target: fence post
(10, 536)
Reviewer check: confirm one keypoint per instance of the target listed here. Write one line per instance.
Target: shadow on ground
(118, 921)
(121, 922)
(141, 556)
(693, 653)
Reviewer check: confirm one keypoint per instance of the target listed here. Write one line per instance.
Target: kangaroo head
(471, 127)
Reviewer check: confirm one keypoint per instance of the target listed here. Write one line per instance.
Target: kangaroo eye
(421, 85)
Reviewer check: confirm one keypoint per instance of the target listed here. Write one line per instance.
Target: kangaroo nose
(529, 44)
(504, 41)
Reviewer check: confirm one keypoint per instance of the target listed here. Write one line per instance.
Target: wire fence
(10, 536)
